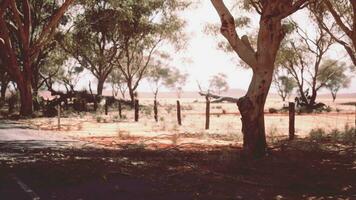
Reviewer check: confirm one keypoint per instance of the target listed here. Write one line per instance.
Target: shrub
(187, 107)
(272, 110)
(328, 109)
(349, 135)
(147, 110)
(317, 134)
(98, 118)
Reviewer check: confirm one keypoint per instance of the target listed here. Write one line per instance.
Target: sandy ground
(225, 124)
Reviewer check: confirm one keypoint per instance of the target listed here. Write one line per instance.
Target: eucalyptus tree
(260, 58)
(19, 49)
(303, 57)
(284, 84)
(159, 73)
(339, 13)
(94, 39)
(334, 76)
(145, 25)
(176, 81)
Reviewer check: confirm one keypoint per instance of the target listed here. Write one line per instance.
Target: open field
(225, 124)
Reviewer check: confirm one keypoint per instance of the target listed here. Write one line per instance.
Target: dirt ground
(298, 170)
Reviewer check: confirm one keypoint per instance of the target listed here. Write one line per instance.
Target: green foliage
(176, 81)
(333, 75)
(284, 84)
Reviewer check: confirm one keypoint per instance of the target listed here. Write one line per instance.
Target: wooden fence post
(207, 113)
(136, 110)
(155, 110)
(291, 120)
(59, 115)
(179, 117)
(120, 110)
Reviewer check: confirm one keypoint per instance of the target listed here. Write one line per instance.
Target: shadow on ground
(292, 170)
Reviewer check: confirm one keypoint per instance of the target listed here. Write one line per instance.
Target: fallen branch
(219, 99)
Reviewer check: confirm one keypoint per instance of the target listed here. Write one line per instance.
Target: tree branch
(241, 47)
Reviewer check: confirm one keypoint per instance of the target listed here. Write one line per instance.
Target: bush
(272, 110)
(349, 135)
(187, 107)
(98, 119)
(317, 134)
(147, 110)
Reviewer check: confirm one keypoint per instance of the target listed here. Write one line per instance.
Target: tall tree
(330, 13)
(94, 40)
(16, 50)
(145, 25)
(261, 59)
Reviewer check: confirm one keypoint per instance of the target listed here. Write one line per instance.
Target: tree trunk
(252, 114)
(25, 88)
(36, 103)
(100, 86)
(261, 60)
(3, 93)
(120, 110)
(131, 92)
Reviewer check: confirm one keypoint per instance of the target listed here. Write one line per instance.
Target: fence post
(207, 113)
(136, 110)
(291, 120)
(120, 115)
(155, 110)
(59, 115)
(179, 117)
(106, 107)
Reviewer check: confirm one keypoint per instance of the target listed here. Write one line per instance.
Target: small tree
(118, 83)
(158, 74)
(284, 84)
(218, 83)
(176, 81)
(333, 75)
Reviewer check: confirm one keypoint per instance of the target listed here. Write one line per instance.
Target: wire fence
(224, 121)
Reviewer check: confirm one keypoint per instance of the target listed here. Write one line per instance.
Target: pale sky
(206, 60)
